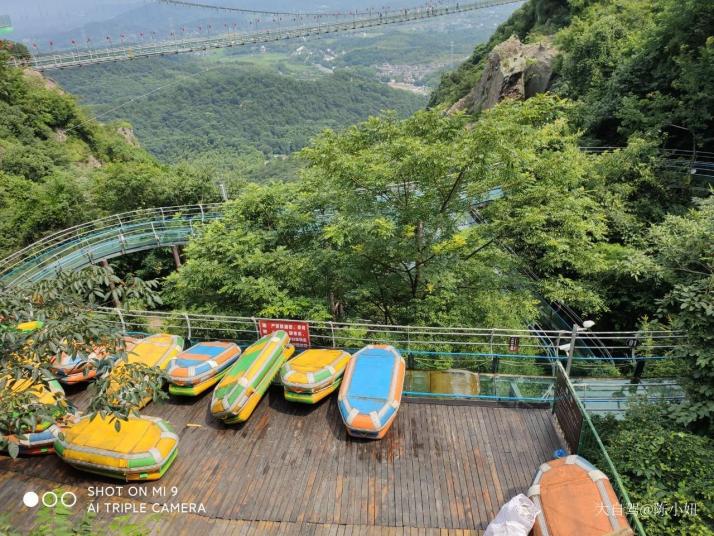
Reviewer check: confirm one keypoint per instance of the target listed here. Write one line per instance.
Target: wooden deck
(442, 469)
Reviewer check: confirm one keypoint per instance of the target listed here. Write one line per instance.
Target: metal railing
(105, 238)
(420, 342)
(126, 52)
(582, 438)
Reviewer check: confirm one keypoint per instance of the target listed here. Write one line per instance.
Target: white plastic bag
(515, 518)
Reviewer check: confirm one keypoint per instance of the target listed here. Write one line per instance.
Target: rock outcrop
(48, 83)
(513, 70)
(128, 134)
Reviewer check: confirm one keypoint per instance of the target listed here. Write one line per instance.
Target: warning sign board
(298, 331)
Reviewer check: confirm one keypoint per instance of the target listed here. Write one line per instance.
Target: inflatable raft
(32, 325)
(244, 384)
(153, 351)
(313, 375)
(79, 368)
(575, 498)
(41, 439)
(371, 391)
(200, 367)
(156, 350)
(143, 449)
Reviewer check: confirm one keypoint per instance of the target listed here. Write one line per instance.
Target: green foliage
(642, 66)
(69, 325)
(681, 260)
(662, 464)
(13, 49)
(377, 227)
(232, 107)
(262, 258)
(58, 168)
(61, 521)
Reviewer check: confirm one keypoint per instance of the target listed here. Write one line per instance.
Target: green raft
(246, 381)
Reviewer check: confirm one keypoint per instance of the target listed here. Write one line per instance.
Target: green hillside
(58, 167)
(231, 107)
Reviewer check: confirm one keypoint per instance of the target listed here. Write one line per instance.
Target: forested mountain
(232, 107)
(58, 167)
(633, 66)
(639, 75)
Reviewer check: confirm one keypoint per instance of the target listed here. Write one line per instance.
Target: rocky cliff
(513, 70)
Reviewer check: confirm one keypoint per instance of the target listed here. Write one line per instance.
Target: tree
(381, 226)
(68, 324)
(680, 257)
(665, 468)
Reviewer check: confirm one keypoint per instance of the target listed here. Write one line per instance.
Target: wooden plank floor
(292, 469)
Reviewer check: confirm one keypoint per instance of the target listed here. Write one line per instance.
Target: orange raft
(575, 498)
(72, 369)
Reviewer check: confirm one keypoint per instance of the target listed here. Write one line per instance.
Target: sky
(39, 17)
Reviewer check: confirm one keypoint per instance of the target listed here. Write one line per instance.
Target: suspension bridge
(349, 23)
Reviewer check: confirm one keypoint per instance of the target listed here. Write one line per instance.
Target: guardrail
(582, 438)
(105, 238)
(419, 343)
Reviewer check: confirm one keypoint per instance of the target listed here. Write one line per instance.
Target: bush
(668, 471)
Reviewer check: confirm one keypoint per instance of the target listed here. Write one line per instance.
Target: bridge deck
(293, 470)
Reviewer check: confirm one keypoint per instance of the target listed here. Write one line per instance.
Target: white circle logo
(31, 499)
(49, 499)
(66, 497)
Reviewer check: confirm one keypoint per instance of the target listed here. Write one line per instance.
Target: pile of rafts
(245, 382)
(313, 375)
(77, 368)
(143, 449)
(153, 351)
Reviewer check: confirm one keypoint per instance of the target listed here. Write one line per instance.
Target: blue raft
(371, 391)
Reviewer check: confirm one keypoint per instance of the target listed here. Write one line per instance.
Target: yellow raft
(313, 375)
(153, 351)
(156, 350)
(143, 449)
(41, 438)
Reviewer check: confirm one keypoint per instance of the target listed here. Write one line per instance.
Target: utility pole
(569, 347)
